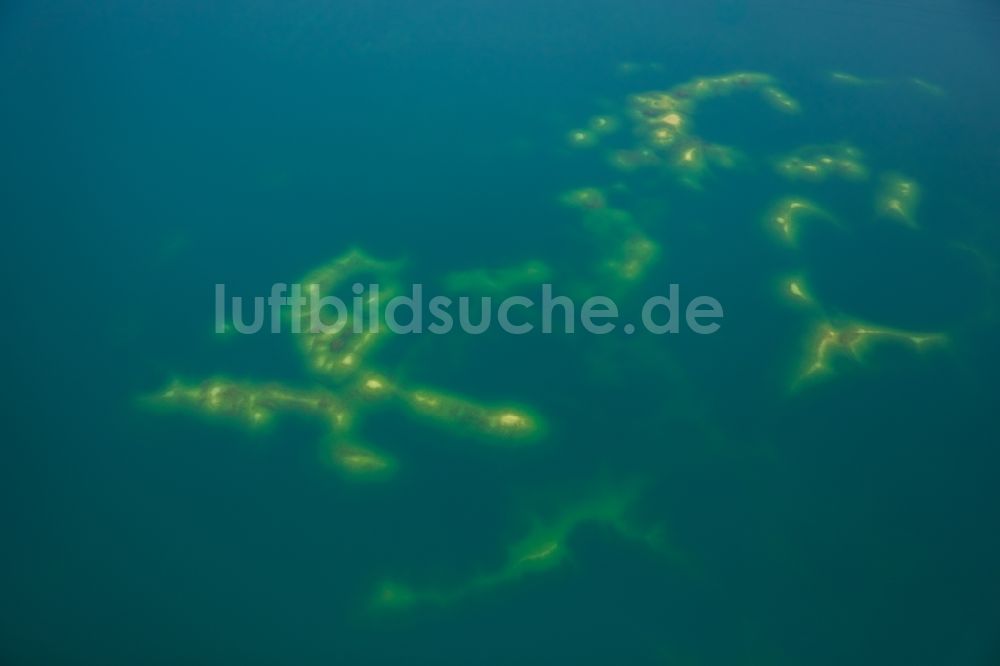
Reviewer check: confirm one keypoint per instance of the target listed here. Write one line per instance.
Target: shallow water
(151, 151)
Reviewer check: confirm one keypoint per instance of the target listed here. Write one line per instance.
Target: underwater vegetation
(342, 357)
(662, 126)
(898, 199)
(652, 134)
(503, 281)
(545, 545)
(838, 341)
(623, 249)
(851, 80)
(786, 216)
(819, 163)
(853, 339)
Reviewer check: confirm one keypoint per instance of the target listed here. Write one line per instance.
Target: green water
(151, 151)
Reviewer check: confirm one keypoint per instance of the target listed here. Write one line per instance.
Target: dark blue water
(151, 150)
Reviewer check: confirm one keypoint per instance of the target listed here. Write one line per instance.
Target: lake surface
(814, 483)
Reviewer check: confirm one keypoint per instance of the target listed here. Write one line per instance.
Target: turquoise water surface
(813, 484)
